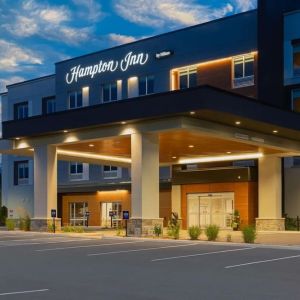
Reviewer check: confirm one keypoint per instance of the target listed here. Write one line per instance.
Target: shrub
(3, 215)
(50, 227)
(10, 224)
(174, 226)
(157, 230)
(212, 231)
(194, 232)
(21, 223)
(74, 229)
(26, 223)
(249, 234)
(236, 220)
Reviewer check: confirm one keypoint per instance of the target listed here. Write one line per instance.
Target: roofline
(159, 35)
(30, 80)
(3, 93)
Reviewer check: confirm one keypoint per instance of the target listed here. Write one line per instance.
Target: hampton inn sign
(130, 59)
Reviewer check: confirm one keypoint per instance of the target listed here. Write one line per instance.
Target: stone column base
(142, 227)
(44, 224)
(270, 224)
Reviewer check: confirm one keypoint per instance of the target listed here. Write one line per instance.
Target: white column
(270, 194)
(45, 181)
(145, 176)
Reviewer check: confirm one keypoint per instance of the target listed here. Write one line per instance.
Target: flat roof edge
(31, 80)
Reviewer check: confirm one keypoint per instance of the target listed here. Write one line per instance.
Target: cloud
(48, 22)
(244, 5)
(168, 13)
(13, 57)
(118, 39)
(7, 81)
(92, 9)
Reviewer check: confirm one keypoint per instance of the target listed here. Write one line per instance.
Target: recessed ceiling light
(228, 152)
(123, 123)
(91, 145)
(65, 131)
(239, 177)
(174, 157)
(275, 131)
(191, 146)
(192, 113)
(237, 122)
(17, 138)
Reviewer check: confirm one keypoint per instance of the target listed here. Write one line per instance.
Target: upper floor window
(75, 99)
(49, 105)
(110, 92)
(296, 58)
(21, 172)
(243, 70)
(296, 100)
(76, 168)
(110, 172)
(21, 110)
(146, 85)
(187, 77)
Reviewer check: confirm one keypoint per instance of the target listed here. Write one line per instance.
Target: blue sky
(34, 34)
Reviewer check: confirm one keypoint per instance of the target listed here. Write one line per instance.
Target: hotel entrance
(210, 208)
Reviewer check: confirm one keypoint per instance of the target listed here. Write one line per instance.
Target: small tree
(3, 215)
(174, 226)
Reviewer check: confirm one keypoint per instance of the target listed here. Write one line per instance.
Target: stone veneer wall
(270, 224)
(142, 227)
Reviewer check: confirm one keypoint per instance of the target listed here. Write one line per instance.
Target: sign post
(126, 218)
(87, 215)
(53, 215)
(111, 214)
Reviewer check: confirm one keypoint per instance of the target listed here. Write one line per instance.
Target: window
(187, 78)
(296, 100)
(21, 172)
(75, 99)
(49, 105)
(110, 92)
(21, 110)
(243, 71)
(76, 168)
(296, 58)
(78, 213)
(110, 172)
(146, 85)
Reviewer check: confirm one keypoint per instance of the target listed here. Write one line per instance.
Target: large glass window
(77, 213)
(296, 58)
(21, 110)
(49, 105)
(21, 172)
(113, 208)
(296, 100)
(75, 99)
(146, 85)
(187, 78)
(110, 92)
(243, 70)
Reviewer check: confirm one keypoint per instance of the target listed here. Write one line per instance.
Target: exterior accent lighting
(220, 158)
(192, 113)
(66, 131)
(238, 123)
(191, 146)
(275, 131)
(91, 145)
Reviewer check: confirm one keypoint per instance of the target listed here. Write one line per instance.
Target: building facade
(197, 121)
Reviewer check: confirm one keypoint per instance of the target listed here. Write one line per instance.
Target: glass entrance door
(206, 209)
(113, 207)
(77, 213)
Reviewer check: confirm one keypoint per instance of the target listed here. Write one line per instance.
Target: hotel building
(200, 121)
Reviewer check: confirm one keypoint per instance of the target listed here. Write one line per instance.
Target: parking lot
(47, 266)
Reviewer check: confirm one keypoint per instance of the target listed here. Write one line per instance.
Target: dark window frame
(146, 80)
(16, 172)
(16, 107)
(110, 85)
(76, 93)
(45, 105)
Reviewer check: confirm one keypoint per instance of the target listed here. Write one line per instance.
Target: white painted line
(138, 250)
(201, 254)
(87, 246)
(261, 261)
(46, 243)
(35, 239)
(25, 292)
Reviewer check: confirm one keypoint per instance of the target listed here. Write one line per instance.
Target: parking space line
(139, 250)
(262, 261)
(87, 246)
(24, 292)
(35, 239)
(201, 254)
(46, 243)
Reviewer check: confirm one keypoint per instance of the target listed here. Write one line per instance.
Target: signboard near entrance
(125, 215)
(53, 213)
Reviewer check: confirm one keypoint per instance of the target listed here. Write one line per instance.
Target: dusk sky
(34, 34)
